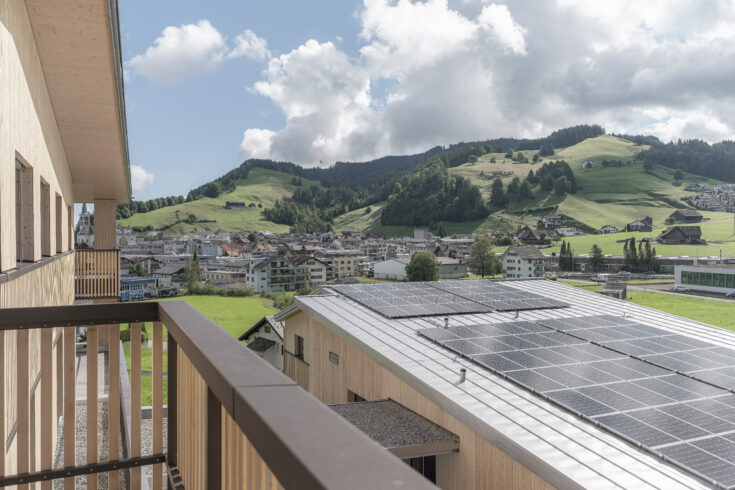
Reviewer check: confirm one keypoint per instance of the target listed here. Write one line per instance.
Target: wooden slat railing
(96, 273)
(296, 368)
(231, 416)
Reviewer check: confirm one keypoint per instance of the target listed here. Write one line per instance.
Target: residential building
(73, 411)
(716, 278)
(531, 236)
(644, 224)
(607, 229)
(688, 235)
(554, 220)
(266, 339)
(309, 270)
(170, 276)
(341, 263)
(685, 216)
(522, 262)
(508, 419)
(149, 263)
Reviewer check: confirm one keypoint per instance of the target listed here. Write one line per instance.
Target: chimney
(462, 376)
(517, 313)
(446, 322)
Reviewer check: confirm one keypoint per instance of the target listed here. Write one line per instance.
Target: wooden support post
(69, 402)
(47, 403)
(23, 434)
(157, 402)
(92, 390)
(113, 406)
(135, 415)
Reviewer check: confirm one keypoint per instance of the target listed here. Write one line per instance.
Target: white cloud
(440, 71)
(497, 18)
(181, 52)
(248, 45)
(140, 178)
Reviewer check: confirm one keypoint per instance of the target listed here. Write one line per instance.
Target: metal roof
(558, 446)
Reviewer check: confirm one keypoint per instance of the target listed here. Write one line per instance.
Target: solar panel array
(687, 421)
(696, 358)
(402, 300)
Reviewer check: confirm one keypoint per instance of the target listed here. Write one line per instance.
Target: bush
(238, 291)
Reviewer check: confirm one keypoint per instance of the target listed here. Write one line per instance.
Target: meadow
(262, 187)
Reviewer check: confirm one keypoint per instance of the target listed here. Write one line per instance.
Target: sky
(210, 84)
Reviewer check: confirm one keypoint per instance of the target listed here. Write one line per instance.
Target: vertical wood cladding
(478, 464)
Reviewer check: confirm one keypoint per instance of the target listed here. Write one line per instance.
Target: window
(299, 347)
(353, 397)
(45, 219)
(24, 212)
(426, 466)
(59, 224)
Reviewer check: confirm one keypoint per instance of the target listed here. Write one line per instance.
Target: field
(261, 187)
(234, 315)
(709, 311)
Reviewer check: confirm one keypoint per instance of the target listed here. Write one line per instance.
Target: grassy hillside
(261, 187)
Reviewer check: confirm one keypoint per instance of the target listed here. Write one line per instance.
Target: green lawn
(709, 311)
(712, 312)
(234, 315)
(261, 187)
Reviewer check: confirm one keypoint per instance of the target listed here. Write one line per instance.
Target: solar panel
(699, 359)
(403, 300)
(498, 296)
(689, 421)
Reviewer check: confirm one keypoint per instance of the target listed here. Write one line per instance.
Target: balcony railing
(233, 421)
(96, 273)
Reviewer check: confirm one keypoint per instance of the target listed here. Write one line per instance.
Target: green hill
(606, 195)
(262, 186)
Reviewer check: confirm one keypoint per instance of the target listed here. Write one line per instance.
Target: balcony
(96, 273)
(232, 420)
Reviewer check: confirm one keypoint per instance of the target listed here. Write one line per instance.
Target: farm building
(644, 224)
(531, 236)
(681, 235)
(686, 216)
(234, 205)
(607, 229)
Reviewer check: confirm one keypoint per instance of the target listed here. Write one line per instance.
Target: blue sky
(209, 84)
(188, 133)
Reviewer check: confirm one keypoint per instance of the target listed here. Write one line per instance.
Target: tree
(483, 260)
(138, 270)
(547, 183)
(504, 241)
(368, 210)
(497, 195)
(547, 149)
(562, 186)
(213, 189)
(596, 258)
(423, 267)
(647, 166)
(536, 157)
(192, 272)
(252, 237)
(525, 191)
(566, 257)
(678, 175)
(441, 231)
(514, 187)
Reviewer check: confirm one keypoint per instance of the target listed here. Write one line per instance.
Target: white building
(391, 269)
(718, 278)
(395, 269)
(266, 339)
(522, 262)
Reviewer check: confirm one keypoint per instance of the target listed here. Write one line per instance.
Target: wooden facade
(478, 464)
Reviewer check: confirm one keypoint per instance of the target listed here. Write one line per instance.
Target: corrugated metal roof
(560, 447)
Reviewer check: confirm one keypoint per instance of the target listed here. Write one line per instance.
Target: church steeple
(84, 208)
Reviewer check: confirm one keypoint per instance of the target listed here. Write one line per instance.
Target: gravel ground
(81, 446)
(146, 441)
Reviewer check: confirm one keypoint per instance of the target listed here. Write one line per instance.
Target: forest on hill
(419, 190)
